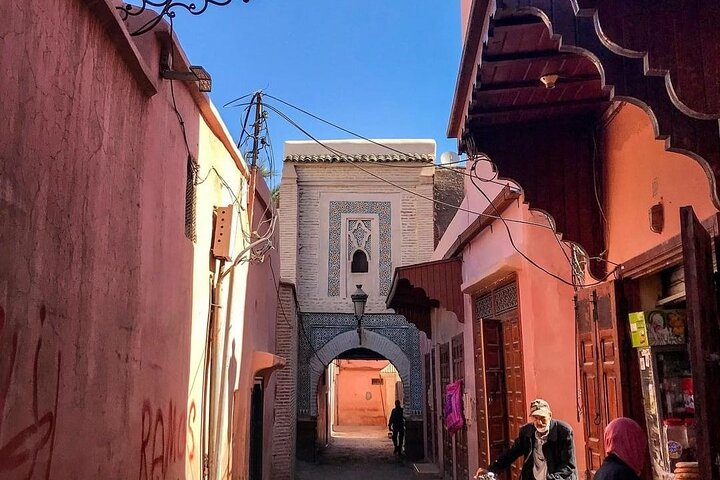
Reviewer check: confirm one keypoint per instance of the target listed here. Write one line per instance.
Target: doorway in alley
(363, 389)
(332, 342)
(500, 387)
(256, 431)
(355, 397)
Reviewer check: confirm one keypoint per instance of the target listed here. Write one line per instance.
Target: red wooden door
(514, 383)
(600, 336)
(490, 390)
(589, 385)
(448, 465)
(703, 340)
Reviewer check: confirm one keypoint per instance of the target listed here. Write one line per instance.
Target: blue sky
(381, 68)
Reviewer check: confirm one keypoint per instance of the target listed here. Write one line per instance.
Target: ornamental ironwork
(165, 8)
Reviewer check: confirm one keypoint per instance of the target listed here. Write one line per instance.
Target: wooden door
(703, 340)
(592, 405)
(611, 333)
(429, 410)
(490, 391)
(600, 336)
(514, 383)
(461, 445)
(448, 465)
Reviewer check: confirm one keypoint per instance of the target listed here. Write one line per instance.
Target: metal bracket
(195, 74)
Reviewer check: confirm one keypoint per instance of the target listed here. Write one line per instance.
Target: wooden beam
(536, 108)
(472, 48)
(513, 87)
(512, 58)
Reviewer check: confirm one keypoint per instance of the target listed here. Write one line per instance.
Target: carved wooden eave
(416, 289)
(598, 50)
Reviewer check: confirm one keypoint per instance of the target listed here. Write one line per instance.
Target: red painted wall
(640, 173)
(103, 300)
(359, 402)
(545, 304)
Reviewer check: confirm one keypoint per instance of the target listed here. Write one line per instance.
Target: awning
(418, 288)
(265, 363)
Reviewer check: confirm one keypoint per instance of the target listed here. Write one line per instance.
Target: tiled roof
(331, 158)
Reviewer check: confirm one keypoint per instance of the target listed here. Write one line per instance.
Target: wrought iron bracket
(164, 8)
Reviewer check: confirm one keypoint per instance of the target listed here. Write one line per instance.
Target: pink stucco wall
(546, 308)
(103, 300)
(359, 402)
(640, 173)
(464, 16)
(259, 333)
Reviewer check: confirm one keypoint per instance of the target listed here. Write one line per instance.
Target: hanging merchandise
(453, 407)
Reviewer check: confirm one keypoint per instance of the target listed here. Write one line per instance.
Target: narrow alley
(357, 453)
(240, 240)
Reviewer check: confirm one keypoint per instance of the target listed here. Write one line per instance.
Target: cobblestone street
(357, 453)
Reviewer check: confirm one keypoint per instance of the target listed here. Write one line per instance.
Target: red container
(686, 384)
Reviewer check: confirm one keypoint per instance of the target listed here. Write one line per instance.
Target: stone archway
(348, 340)
(324, 336)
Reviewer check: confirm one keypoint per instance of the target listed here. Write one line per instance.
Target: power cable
(554, 232)
(375, 142)
(400, 187)
(531, 261)
(193, 165)
(498, 216)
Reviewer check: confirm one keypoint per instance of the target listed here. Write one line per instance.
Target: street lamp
(359, 299)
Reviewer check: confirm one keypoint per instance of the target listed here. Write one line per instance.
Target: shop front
(647, 349)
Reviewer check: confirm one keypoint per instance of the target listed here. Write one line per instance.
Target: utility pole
(255, 153)
(211, 467)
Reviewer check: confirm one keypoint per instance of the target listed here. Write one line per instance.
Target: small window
(359, 262)
(377, 381)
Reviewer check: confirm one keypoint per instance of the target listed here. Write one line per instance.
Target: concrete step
(426, 470)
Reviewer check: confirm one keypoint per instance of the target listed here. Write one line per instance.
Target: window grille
(190, 195)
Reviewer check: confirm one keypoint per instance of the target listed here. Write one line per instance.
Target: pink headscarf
(626, 439)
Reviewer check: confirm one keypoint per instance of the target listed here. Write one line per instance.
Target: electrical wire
(193, 165)
(400, 187)
(232, 102)
(530, 260)
(498, 216)
(375, 142)
(551, 227)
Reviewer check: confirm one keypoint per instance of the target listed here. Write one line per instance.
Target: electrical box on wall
(223, 237)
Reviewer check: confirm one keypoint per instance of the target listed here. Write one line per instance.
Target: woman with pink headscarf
(625, 446)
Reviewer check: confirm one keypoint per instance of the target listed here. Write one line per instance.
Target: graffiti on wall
(166, 436)
(29, 448)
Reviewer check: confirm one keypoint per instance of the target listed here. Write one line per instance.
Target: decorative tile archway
(392, 336)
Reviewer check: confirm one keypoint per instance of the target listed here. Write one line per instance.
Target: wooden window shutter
(703, 340)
